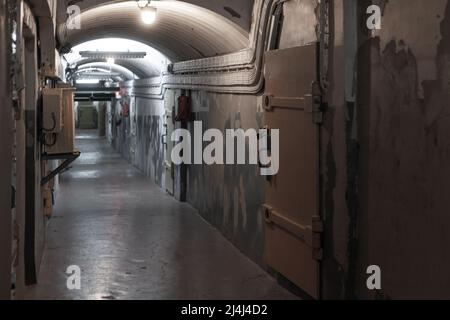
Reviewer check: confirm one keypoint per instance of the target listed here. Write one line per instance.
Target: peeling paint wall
(300, 25)
(334, 159)
(5, 158)
(405, 125)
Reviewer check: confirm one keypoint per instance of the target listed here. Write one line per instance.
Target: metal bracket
(310, 234)
(310, 103)
(300, 103)
(68, 157)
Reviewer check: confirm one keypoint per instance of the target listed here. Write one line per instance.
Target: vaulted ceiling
(237, 11)
(184, 30)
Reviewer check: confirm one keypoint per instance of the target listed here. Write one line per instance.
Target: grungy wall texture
(138, 136)
(229, 196)
(5, 157)
(335, 141)
(149, 151)
(405, 150)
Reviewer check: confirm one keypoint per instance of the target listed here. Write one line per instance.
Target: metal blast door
(293, 225)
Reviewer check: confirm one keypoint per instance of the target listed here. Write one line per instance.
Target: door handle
(310, 234)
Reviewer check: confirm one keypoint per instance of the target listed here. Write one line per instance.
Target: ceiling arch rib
(105, 67)
(98, 75)
(142, 69)
(138, 58)
(182, 31)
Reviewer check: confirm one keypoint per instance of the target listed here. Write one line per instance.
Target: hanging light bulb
(148, 13)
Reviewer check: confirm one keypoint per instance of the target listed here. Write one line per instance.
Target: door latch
(310, 103)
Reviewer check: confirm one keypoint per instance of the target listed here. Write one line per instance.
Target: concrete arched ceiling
(237, 11)
(182, 31)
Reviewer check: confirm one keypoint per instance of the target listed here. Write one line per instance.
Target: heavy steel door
(293, 226)
(169, 127)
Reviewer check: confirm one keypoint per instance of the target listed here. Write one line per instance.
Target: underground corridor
(133, 241)
(255, 150)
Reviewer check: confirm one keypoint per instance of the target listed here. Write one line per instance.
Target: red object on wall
(184, 109)
(125, 109)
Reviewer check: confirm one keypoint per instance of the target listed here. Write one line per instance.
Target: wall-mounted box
(52, 110)
(63, 141)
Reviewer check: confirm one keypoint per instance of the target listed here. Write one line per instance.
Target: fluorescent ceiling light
(122, 55)
(87, 81)
(98, 75)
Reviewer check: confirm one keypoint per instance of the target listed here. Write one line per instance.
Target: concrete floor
(133, 241)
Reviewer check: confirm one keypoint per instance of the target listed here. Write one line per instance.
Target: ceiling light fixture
(111, 61)
(148, 13)
(125, 55)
